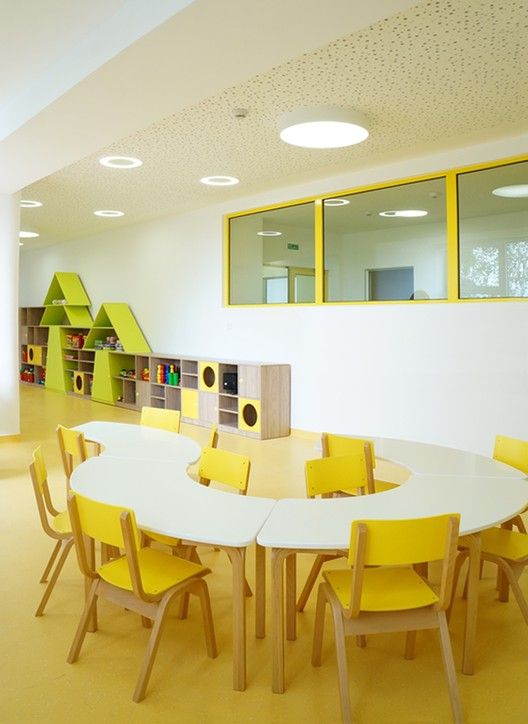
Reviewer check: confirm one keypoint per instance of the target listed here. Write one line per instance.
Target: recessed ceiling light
(28, 235)
(28, 204)
(336, 202)
(326, 127)
(21, 243)
(109, 212)
(518, 191)
(219, 180)
(120, 161)
(269, 233)
(407, 213)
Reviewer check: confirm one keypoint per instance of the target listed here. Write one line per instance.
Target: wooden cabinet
(247, 398)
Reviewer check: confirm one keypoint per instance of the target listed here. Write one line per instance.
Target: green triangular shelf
(116, 319)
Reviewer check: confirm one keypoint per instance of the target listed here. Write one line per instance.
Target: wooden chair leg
(83, 623)
(65, 544)
(410, 644)
(459, 562)
(247, 589)
(320, 610)
(207, 617)
(342, 667)
(511, 576)
(152, 648)
(190, 554)
(449, 668)
(51, 561)
(310, 581)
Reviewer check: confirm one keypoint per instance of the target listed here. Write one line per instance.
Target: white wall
(449, 373)
(9, 248)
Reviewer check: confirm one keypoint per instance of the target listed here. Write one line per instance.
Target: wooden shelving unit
(109, 360)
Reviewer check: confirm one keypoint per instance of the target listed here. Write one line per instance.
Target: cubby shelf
(57, 349)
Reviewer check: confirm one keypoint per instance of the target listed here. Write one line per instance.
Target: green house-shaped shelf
(114, 320)
(68, 315)
(71, 302)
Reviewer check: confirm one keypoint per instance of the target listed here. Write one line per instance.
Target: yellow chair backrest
(397, 543)
(342, 445)
(101, 521)
(160, 418)
(329, 475)
(213, 437)
(72, 445)
(225, 467)
(40, 477)
(402, 542)
(512, 452)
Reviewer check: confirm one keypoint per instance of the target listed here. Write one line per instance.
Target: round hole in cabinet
(249, 414)
(79, 382)
(31, 354)
(208, 376)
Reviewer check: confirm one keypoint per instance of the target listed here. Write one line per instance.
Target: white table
(140, 441)
(132, 472)
(484, 492)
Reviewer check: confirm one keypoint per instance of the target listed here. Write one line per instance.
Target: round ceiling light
(28, 204)
(406, 213)
(120, 161)
(326, 127)
(336, 202)
(21, 243)
(518, 191)
(269, 233)
(109, 212)
(28, 235)
(219, 180)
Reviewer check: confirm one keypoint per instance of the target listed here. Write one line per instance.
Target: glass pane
(271, 253)
(493, 232)
(377, 248)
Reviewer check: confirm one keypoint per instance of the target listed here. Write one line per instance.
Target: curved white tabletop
(140, 441)
(421, 457)
(166, 500)
(325, 523)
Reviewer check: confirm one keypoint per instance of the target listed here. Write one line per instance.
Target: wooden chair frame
(150, 607)
(64, 541)
(354, 621)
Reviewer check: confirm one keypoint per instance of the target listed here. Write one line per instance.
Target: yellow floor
(37, 685)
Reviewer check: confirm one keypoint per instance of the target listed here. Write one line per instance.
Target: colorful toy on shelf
(167, 374)
(118, 346)
(145, 374)
(24, 354)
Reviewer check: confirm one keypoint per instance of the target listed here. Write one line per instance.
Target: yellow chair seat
(501, 542)
(159, 572)
(160, 538)
(61, 523)
(384, 589)
(381, 485)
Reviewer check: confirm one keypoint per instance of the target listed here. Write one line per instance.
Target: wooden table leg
(237, 557)
(468, 659)
(90, 556)
(278, 555)
(260, 591)
(291, 597)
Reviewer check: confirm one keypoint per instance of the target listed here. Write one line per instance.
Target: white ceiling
(436, 74)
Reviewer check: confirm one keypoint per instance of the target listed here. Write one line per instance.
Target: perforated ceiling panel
(444, 73)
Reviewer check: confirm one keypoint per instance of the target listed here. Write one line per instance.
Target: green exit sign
(293, 247)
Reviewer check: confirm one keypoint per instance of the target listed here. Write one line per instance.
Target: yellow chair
(326, 477)
(513, 452)
(73, 449)
(143, 580)
(382, 592)
(224, 467)
(54, 523)
(160, 418)
(213, 437)
(343, 445)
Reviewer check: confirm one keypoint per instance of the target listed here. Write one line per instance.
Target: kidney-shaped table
(145, 469)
